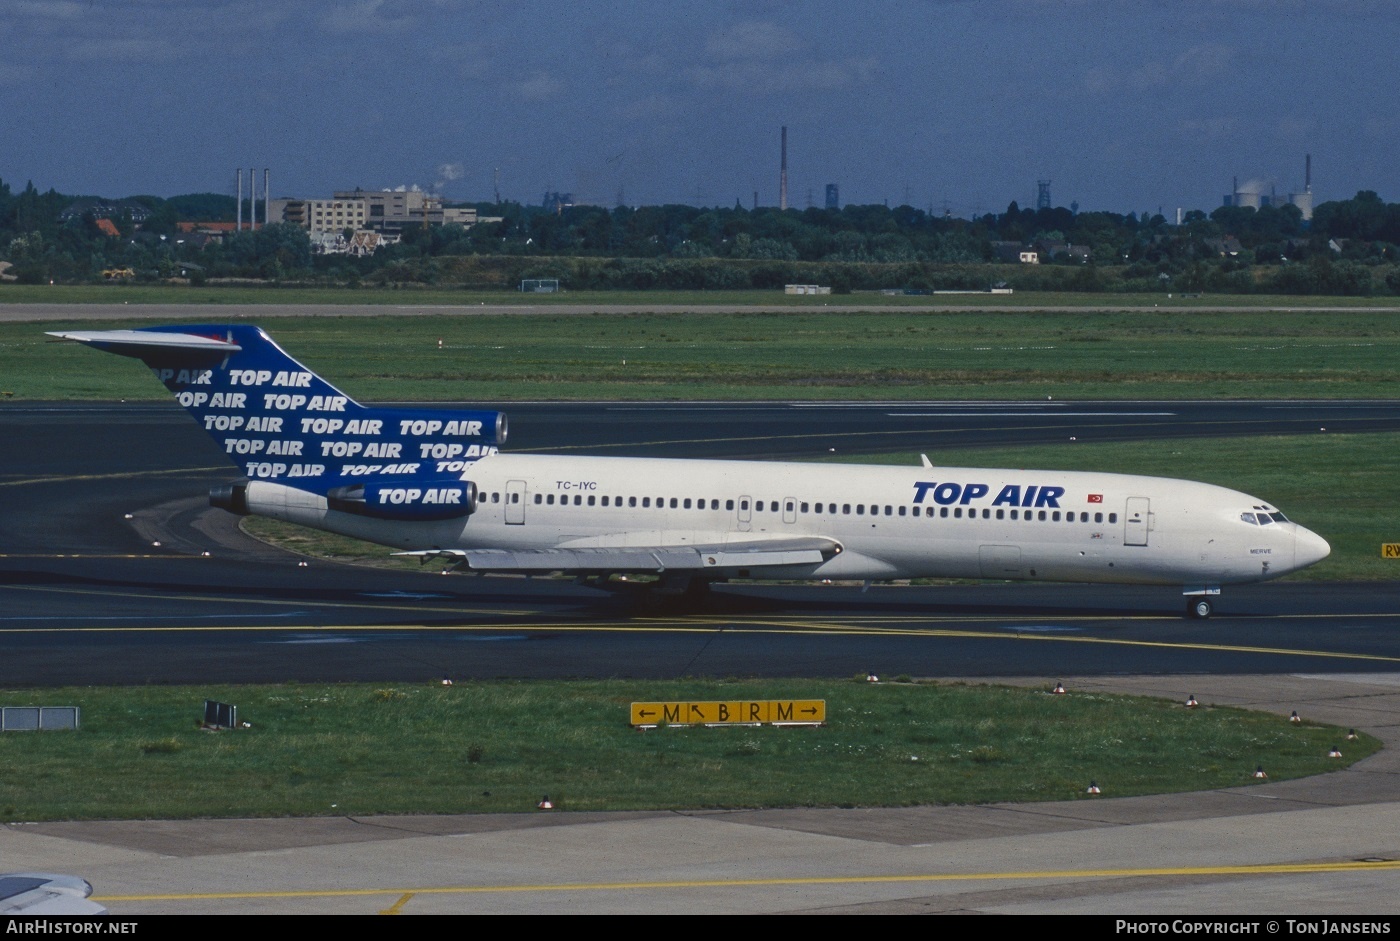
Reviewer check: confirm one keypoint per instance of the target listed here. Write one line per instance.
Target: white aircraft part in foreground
(44, 893)
(433, 483)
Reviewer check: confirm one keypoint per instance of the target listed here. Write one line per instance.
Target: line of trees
(1350, 247)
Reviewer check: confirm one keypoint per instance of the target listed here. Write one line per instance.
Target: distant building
(336, 215)
(373, 217)
(558, 202)
(1053, 249)
(105, 209)
(833, 196)
(1252, 196)
(1229, 246)
(1015, 253)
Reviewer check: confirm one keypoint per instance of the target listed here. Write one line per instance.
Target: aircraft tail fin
(281, 422)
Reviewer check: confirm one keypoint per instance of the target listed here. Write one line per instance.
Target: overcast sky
(1126, 105)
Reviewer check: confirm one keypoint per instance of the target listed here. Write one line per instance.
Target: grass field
(499, 747)
(803, 354)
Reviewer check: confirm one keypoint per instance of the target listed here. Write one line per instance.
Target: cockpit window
(1249, 518)
(1265, 519)
(1279, 517)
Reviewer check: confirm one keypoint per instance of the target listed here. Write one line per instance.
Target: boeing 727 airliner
(433, 483)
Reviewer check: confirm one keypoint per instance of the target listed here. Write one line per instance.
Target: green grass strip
(481, 747)
(808, 354)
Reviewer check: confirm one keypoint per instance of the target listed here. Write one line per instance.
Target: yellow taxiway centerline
(406, 893)
(690, 626)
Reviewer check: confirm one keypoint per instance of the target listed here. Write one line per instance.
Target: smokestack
(267, 196)
(782, 177)
(1307, 174)
(238, 225)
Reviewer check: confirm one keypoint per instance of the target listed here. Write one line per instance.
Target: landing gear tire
(1199, 608)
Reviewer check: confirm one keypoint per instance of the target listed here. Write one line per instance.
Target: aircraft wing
(43, 893)
(603, 560)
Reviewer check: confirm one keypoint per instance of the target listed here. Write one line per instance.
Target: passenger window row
(822, 509)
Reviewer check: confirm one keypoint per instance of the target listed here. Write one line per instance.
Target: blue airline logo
(277, 419)
(949, 493)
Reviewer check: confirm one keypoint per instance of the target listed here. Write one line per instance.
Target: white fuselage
(890, 522)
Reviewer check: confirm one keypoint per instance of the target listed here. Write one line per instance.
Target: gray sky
(1126, 105)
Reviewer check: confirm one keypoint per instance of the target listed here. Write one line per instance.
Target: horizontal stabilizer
(135, 342)
(602, 560)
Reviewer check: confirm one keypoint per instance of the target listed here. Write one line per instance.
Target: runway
(87, 597)
(844, 304)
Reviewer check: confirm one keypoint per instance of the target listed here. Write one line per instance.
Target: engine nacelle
(231, 497)
(407, 499)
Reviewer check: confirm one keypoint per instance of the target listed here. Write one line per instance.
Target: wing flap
(640, 559)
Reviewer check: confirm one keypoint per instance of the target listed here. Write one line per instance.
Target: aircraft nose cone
(1308, 548)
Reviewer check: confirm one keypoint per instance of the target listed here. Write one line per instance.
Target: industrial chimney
(782, 176)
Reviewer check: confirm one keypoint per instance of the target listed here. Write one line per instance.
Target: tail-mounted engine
(406, 500)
